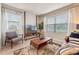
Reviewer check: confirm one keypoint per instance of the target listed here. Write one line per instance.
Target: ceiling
(38, 8)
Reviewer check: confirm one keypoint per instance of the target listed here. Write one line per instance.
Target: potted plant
(40, 28)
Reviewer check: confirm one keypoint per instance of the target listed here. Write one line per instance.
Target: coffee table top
(38, 41)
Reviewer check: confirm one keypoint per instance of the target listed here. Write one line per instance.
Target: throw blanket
(69, 49)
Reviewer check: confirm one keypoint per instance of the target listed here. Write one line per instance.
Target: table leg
(30, 44)
(11, 44)
(37, 51)
(51, 41)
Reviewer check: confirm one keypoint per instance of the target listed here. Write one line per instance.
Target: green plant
(40, 26)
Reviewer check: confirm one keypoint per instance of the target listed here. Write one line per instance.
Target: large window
(13, 20)
(50, 22)
(57, 23)
(61, 23)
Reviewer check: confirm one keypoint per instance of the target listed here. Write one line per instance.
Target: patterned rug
(49, 49)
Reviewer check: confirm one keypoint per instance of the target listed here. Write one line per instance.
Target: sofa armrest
(67, 39)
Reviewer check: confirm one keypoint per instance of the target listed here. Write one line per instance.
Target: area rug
(49, 49)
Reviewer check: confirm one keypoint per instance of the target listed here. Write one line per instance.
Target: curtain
(0, 24)
(30, 21)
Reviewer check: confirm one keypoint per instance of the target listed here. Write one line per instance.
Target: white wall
(0, 25)
(74, 18)
(30, 18)
(40, 19)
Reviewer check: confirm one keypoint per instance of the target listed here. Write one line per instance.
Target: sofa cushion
(74, 35)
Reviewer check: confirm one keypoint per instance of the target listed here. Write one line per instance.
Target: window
(13, 20)
(58, 23)
(61, 23)
(50, 23)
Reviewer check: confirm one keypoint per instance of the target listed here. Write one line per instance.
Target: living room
(28, 22)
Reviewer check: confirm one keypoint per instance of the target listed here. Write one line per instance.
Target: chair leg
(22, 40)
(5, 42)
(37, 52)
(11, 44)
(30, 44)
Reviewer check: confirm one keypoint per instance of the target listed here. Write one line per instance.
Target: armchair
(13, 37)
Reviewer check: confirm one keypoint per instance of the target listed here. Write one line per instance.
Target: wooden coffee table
(37, 43)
